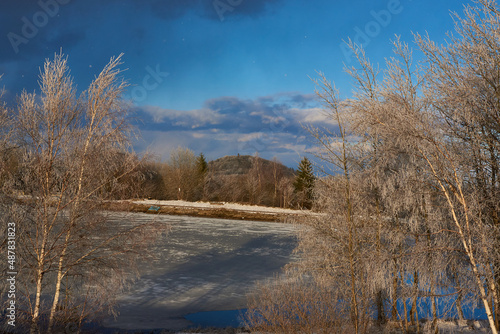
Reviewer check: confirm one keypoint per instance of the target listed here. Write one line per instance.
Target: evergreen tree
(304, 183)
(202, 165)
(202, 170)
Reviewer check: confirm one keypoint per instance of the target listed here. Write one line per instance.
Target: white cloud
(187, 118)
(198, 135)
(271, 126)
(312, 116)
(249, 137)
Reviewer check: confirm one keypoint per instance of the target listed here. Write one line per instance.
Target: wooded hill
(239, 179)
(242, 164)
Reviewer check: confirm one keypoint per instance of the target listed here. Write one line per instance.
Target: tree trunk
(55, 301)
(497, 305)
(433, 307)
(379, 301)
(494, 297)
(354, 301)
(414, 319)
(405, 317)
(394, 311)
(487, 307)
(36, 309)
(458, 304)
(60, 276)
(466, 240)
(39, 280)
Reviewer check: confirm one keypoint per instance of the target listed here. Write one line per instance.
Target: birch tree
(70, 251)
(411, 211)
(410, 112)
(181, 175)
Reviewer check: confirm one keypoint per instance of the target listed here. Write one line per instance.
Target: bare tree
(465, 81)
(181, 174)
(402, 116)
(411, 210)
(408, 112)
(8, 161)
(277, 176)
(295, 305)
(255, 180)
(286, 192)
(68, 168)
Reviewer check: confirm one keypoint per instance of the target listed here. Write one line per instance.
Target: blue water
(444, 308)
(220, 319)
(235, 318)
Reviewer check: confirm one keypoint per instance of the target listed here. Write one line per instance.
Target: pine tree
(202, 170)
(304, 183)
(202, 165)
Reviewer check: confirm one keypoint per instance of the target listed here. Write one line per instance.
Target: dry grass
(296, 305)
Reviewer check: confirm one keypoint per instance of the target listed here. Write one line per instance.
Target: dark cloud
(229, 105)
(283, 113)
(303, 100)
(211, 9)
(235, 9)
(66, 38)
(254, 8)
(253, 115)
(270, 125)
(172, 9)
(11, 11)
(29, 28)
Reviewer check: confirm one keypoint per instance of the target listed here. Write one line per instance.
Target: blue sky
(220, 77)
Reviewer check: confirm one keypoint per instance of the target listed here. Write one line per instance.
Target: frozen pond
(205, 265)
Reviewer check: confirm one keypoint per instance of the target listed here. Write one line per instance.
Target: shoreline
(219, 210)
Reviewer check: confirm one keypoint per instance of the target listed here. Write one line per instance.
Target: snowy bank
(209, 209)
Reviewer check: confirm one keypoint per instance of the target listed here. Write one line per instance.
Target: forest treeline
(236, 179)
(411, 224)
(189, 177)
